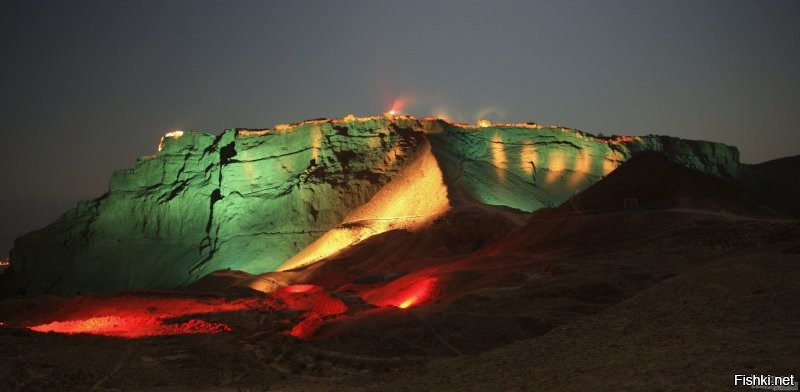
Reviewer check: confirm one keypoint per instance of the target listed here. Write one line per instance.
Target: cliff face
(252, 199)
(529, 167)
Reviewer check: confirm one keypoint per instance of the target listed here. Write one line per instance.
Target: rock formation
(260, 200)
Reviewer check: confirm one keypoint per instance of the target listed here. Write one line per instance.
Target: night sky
(87, 86)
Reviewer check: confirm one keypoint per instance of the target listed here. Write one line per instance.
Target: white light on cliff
(498, 153)
(174, 134)
(528, 158)
(170, 134)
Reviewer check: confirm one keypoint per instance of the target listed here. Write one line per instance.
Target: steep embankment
(252, 199)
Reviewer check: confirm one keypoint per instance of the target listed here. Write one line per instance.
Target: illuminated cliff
(259, 200)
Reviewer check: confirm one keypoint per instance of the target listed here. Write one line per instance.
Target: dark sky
(87, 86)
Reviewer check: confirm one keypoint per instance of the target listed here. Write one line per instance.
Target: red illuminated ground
(157, 314)
(403, 293)
(135, 316)
(130, 327)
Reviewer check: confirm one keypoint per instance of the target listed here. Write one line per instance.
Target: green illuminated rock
(529, 167)
(251, 199)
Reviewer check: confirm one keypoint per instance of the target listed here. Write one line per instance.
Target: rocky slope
(252, 200)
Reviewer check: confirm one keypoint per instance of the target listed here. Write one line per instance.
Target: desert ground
(678, 300)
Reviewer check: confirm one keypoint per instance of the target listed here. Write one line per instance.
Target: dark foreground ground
(650, 301)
